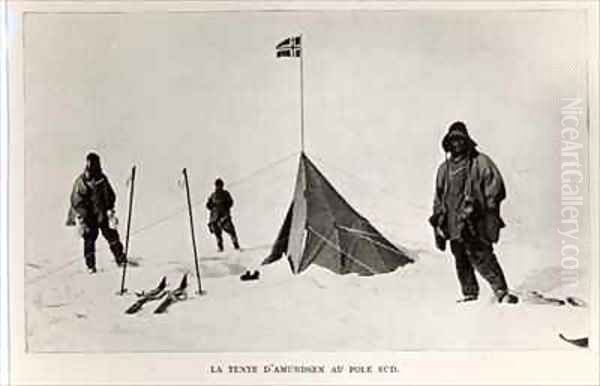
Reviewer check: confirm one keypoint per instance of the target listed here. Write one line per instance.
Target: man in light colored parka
(466, 211)
(92, 211)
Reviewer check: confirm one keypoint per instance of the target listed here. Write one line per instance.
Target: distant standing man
(219, 204)
(466, 211)
(92, 210)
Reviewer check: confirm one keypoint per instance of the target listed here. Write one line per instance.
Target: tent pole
(125, 262)
(189, 202)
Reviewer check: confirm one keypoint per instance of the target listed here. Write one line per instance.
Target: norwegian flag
(289, 48)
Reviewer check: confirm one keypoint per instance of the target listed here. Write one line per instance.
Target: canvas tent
(320, 227)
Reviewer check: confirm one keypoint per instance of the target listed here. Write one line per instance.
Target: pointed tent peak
(316, 179)
(308, 163)
(321, 227)
(305, 158)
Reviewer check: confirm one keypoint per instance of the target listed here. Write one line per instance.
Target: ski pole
(123, 290)
(189, 202)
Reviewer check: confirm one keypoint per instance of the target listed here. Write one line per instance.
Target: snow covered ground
(172, 91)
(413, 308)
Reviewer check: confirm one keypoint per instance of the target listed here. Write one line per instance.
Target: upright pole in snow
(189, 202)
(301, 94)
(128, 229)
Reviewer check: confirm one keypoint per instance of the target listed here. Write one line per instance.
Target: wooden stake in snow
(131, 188)
(189, 202)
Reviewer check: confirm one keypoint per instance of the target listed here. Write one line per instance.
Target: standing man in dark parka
(219, 204)
(466, 211)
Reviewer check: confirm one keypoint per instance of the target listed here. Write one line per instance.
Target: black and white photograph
(276, 179)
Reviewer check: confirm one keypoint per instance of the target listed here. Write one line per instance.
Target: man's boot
(90, 262)
(117, 250)
(467, 298)
(506, 297)
(235, 242)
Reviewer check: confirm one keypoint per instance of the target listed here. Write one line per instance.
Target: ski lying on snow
(145, 296)
(538, 298)
(579, 342)
(467, 299)
(154, 291)
(176, 295)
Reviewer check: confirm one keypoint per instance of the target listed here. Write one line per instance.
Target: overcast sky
(204, 90)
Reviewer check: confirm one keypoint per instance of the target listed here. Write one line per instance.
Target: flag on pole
(289, 48)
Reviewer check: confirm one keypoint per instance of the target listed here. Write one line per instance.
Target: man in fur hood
(92, 211)
(466, 212)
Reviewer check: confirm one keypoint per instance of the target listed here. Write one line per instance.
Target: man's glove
(113, 220)
(82, 228)
(436, 221)
(211, 227)
(440, 238)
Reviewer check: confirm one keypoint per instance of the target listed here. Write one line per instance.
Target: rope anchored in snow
(334, 246)
(162, 219)
(368, 237)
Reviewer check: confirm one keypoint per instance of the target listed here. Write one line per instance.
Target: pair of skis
(158, 293)
(535, 297)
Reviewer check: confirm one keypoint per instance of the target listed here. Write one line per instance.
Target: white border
(539, 367)
(594, 168)
(116, 6)
(4, 323)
